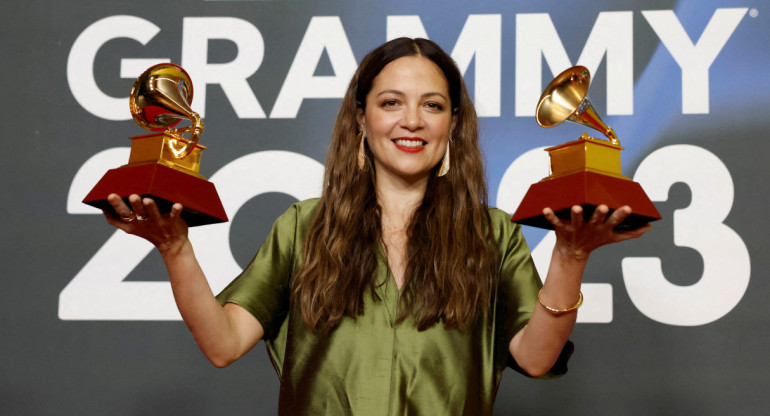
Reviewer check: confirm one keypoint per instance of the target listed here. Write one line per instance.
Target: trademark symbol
(753, 12)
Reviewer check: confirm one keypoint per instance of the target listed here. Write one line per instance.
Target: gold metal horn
(160, 99)
(566, 98)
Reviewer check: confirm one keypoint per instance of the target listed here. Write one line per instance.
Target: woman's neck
(398, 199)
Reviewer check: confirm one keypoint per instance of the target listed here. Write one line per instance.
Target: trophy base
(589, 190)
(166, 186)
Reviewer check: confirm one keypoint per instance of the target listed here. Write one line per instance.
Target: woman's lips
(409, 144)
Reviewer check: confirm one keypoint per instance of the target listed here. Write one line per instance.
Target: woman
(398, 291)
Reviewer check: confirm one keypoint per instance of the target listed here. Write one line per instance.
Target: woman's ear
(360, 119)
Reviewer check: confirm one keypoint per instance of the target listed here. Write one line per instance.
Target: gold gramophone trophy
(586, 171)
(164, 165)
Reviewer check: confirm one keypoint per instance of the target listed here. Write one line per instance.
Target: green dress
(372, 365)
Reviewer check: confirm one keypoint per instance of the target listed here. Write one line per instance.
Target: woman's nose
(412, 119)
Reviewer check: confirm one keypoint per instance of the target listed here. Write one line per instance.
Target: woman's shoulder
(501, 224)
(306, 205)
(500, 217)
(303, 207)
(300, 211)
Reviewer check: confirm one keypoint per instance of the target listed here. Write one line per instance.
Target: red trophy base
(589, 190)
(166, 186)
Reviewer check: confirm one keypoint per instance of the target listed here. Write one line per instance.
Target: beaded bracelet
(561, 311)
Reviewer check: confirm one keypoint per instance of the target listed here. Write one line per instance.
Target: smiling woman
(409, 91)
(399, 290)
(406, 119)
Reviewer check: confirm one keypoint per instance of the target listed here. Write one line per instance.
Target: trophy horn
(160, 99)
(566, 99)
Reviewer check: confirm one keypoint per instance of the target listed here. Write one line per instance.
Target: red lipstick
(409, 144)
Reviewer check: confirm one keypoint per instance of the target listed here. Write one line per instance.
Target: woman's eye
(434, 106)
(389, 103)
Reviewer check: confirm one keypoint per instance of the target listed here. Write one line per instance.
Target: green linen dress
(372, 365)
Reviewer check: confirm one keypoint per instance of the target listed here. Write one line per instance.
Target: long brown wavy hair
(452, 259)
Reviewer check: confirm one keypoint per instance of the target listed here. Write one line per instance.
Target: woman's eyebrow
(433, 94)
(425, 95)
(396, 92)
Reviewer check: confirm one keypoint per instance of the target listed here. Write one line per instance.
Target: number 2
(98, 291)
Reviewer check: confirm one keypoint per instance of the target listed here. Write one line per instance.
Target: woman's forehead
(411, 74)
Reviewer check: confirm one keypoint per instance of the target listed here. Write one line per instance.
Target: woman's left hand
(537, 347)
(578, 238)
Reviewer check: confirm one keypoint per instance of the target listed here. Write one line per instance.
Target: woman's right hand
(223, 334)
(141, 217)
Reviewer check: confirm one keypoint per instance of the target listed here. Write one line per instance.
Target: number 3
(726, 262)
(727, 266)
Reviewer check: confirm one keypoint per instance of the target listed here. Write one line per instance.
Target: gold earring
(362, 152)
(445, 162)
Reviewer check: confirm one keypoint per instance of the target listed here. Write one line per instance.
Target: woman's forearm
(223, 334)
(538, 345)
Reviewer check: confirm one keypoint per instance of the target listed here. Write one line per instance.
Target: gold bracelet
(561, 311)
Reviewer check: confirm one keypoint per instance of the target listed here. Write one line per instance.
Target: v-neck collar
(387, 288)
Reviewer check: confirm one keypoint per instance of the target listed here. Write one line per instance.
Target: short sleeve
(263, 288)
(518, 284)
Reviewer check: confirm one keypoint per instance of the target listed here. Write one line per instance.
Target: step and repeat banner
(673, 323)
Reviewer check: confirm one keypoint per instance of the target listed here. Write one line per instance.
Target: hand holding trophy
(586, 171)
(164, 165)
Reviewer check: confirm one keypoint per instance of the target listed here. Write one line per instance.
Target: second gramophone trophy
(164, 165)
(585, 171)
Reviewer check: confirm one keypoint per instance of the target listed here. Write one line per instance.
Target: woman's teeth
(410, 143)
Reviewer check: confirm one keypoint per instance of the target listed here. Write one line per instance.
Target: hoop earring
(445, 162)
(362, 152)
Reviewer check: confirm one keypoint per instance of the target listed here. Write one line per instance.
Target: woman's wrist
(170, 250)
(566, 252)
